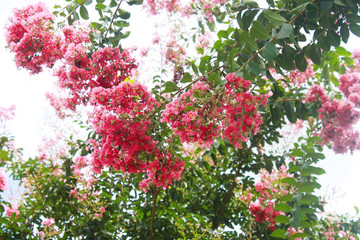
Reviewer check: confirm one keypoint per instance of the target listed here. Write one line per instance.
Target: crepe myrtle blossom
(198, 117)
(338, 118)
(29, 35)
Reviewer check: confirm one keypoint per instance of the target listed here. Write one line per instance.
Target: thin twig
(113, 18)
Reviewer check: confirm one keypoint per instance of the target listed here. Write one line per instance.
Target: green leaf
(283, 207)
(300, 61)
(279, 233)
(289, 111)
(299, 235)
(333, 38)
(313, 170)
(309, 199)
(314, 53)
(286, 198)
(124, 14)
(274, 18)
(249, 40)
(308, 187)
(284, 62)
(355, 29)
(170, 87)
(326, 5)
(282, 219)
(285, 31)
(253, 68)
(275, 114)
(311, 12)
(269, 52)
(289, 180)
(186, 78)
(245, 20)
(259, 31)
(100, 6)
(314, 155)
(294, 169)
(84, 13)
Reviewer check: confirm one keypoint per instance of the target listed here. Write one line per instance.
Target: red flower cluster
(120, 117)
(199, 116)
(80, 74)
(338, 118)
(28, 34)
(269, 188)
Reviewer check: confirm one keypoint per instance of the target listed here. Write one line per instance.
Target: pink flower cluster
(10, 210)
(198, 115)
(29, 36)
(350, 86)
(80, 74)
(174, 53)
(7, 113)
(154, 7)
(47, 222)
(338, 118)
(208, 5)
(269, 189)
(297, 77)
(120, 117)
(2, 181)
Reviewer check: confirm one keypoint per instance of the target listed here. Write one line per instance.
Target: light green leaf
(285, 31)
(259, 31)
(186, 78)
(170, 87)
(274, 18)
(282, 219)
(279, 233)
(250, 40)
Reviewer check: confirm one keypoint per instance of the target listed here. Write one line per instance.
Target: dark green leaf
(84, 13)
(124, 14)
(311, 12)
(355, 29)
(259, 31)
(276, 114)
(333, 38)
(314, 53)
(300, 61)
(253, 68)
(325, 5)
(269, 52)
(289, 111)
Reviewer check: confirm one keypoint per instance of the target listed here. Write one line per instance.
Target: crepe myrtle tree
(194, 153)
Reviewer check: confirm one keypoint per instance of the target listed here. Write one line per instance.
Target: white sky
(28, 94)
